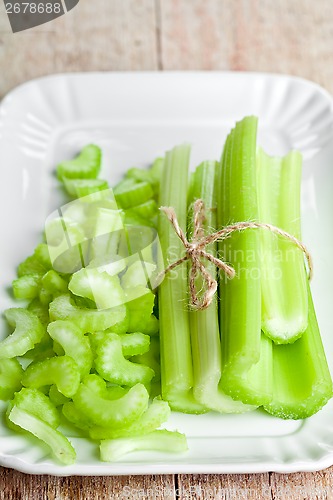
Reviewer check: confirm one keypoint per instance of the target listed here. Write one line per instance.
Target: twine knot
(195, 251)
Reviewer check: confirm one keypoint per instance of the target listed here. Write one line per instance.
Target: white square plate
(135, 117)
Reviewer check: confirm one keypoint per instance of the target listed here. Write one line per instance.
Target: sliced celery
(204, 326)
(116, 413)
(60, 370)
(283, 283)
(246, 372)
(89, 320)
(28, 332)
(61, 447)
(129, 193)
(103, 289)
(85, 166)
(10, 377)
(38, 263)
(39, 405)
(176, 357)
(111, 364)
(74, 343)
(134, 344)
(156, 414)
(160, 440)
(84, 187)
(302, 383)
(27, 286)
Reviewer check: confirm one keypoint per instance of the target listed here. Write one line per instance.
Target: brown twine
(195, 250)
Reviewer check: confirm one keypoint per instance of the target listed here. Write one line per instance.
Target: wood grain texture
(288, 36)
(96, 35)
(283, 36)
(17, 486)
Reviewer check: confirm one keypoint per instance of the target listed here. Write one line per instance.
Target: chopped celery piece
(151, 175)
(302, 383)
(204, 325)
(56, 397)
(140, 305)
(60, 370)
(246, 366)
(53, 283)
(42, 312)
(137, 274)
(176, 357)
(37, 404)
(134, 343)
(283, 283)
(76, 417)
(28, 332)
(116, 413)
(59, 444)
(73, 342)
(84, 187)
(111, 364)
(10, 377)
(156, 414)
(85, 166)
(89, 320)
(160, 440)
(129, 193)
(27, 286)
(103, 289)
(147, 210)
(38, 263)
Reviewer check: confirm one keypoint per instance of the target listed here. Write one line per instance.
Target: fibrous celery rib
(246, 370)
(204, 325)
(283, 283)
(301, 379)
(176, 357)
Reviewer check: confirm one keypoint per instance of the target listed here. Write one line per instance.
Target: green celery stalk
(301, 379)
(302, 382)
(246, 354)
(283, 284)
(204, 325)
(176, 356)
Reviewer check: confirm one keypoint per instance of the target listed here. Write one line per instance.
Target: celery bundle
(108, 353)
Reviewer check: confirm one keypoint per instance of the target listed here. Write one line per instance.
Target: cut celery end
(89, 320)
(59, 444)
(111, 364)
(176, 357)
(84, 187)
(98, 286)
(160, 440)
(28, 332)
(38, 404)
(85, 166)
(283, 283)
(248, 381)
(116, 413)
(129, 193)
(10, 377)
(73, 342)
(60, 370)
(302, 381)
(27, 287)
(156, 414)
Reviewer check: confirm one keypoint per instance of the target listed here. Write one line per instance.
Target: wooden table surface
(282, 36)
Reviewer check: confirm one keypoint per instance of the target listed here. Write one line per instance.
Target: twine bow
(195, 250)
